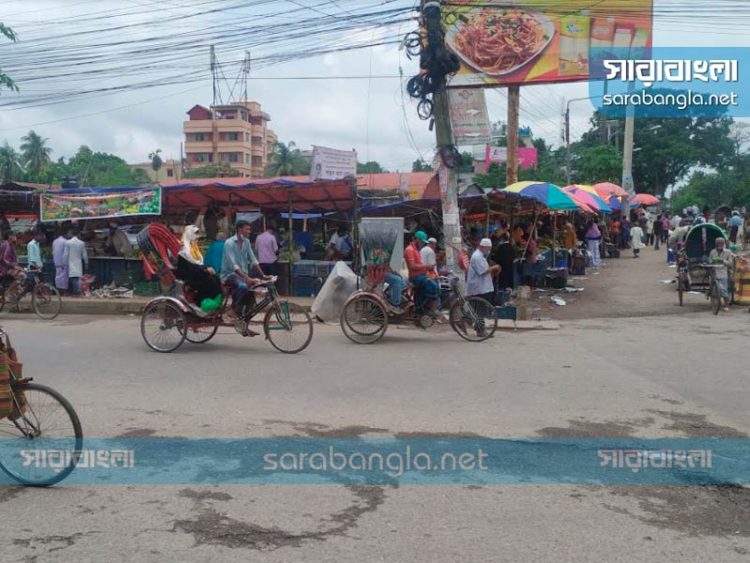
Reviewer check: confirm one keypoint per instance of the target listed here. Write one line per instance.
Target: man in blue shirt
(236, 262)
(34, 251)
(734, 225)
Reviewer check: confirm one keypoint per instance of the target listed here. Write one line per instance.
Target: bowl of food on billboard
(541, 41)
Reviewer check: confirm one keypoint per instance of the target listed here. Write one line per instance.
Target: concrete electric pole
(447, 172)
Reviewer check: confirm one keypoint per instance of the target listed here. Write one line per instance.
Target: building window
(247, 158)
(170, 173)
(199, 137)
(247, 137)
(232, 136)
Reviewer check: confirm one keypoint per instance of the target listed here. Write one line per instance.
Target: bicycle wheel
(163, 326)
(364, 320)
(40, 445)
(46, 301)
(715, 297)
(288, 327)
(200, 334)
(473, 318)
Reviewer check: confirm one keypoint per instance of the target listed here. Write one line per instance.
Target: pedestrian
(724, 259)
(734, 224)
(34, 251)
(650, 229)
(267, 250)
(503, 255)
(78, 260)
(658, 234)
(666, 224)
(8, 259)
(569, 235)
(60, 258)
(593, 239)
(479, 279)
(637, 237)
(4, 225)
(676, 221)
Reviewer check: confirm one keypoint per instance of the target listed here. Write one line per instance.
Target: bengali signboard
(54, 207)
(541, 41)
(469, 118)
(332, 164)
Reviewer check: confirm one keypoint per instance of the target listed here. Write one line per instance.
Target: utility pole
(627, 160)
(568, 160)
(447, 176)
(514, 102)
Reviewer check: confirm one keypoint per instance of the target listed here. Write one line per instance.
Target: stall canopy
(271, 194)
(21, 198)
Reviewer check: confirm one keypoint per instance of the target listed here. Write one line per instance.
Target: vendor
(340, 246)
(118, 243)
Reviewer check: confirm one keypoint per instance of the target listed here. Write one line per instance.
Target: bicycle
(41, 438)
(168, 321)
(45, 298)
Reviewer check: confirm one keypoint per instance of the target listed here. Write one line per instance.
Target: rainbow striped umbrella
(590, 199)
(549, 195)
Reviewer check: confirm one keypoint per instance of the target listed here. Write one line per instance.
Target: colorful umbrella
(547, 194)
(647, 200)
(591, 200)
(607, 189)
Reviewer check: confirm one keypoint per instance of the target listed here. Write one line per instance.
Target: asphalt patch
(583, 428)
(706, 510)
(214, 528)
(696, 425)
(205, 495)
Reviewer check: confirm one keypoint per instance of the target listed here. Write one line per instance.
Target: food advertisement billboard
(541, 41)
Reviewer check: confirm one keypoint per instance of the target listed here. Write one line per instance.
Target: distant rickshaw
(694, 271)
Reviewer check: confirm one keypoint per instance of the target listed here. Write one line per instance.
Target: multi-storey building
(235, 133)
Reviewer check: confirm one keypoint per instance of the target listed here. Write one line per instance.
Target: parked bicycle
(45, 299)
(40, 436)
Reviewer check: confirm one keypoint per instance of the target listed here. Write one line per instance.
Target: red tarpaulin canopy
(268, 194)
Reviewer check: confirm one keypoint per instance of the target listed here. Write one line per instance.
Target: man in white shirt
(428, 256)
(480, 274)
(78, 259)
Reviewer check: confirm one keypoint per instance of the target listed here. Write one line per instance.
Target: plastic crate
(507, 312)
(312, 268)
(146, 289)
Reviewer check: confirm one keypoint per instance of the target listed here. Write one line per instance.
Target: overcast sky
(368, 114)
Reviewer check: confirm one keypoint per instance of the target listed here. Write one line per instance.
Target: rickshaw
(694, 272)
(169, 320)
(369, 311)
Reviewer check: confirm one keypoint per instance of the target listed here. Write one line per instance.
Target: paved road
(646, 377)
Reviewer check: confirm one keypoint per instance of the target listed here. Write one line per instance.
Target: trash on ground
(557, 300)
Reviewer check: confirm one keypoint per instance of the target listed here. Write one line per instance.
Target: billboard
(470, 121)
(332, 164)
(540, 41)
(55, 207)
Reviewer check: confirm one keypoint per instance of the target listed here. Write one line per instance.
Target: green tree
(601, 163)
(6, 80)
(420, 165)
(287, 160)
(140, 178)
(156, 161)
(34, 155)
(370, 167)
(10, 164)
(222, 170)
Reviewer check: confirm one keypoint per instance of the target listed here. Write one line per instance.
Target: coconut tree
(287, 160)
(34, 155)
(5, 80)
(10, 164)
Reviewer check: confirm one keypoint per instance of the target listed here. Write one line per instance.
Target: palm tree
(5, 80)
(156, 161)
(287, 160)
(10, 164)
(35, 154)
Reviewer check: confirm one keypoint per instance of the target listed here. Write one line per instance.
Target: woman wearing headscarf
(202, 280)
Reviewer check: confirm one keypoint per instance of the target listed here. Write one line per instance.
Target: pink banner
(527, 156)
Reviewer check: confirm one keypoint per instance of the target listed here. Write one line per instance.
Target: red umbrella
(608, 189)
(647, 200)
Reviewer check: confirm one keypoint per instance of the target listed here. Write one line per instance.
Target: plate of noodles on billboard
(541, 41)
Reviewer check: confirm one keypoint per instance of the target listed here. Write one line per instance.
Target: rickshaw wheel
(200, 335)
(364, 320)
(715, 298)
(473, 319)
(163, 326)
